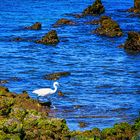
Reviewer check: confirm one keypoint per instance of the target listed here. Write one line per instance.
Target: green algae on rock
(56, 76)
(136, 8)
(35, 26)
(96, 8)
(132, 44)
(63, 21)
(26, 119)
(108, 27)
(50, 38)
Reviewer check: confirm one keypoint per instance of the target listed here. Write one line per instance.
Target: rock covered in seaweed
(136, 8)
(63, 21)
(25, 119)
(96, 8)
(132, 43)
(56, 76)
(35, 26)
(108, 27)
(50, 38)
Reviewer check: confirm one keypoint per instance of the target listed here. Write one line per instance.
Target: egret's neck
(55, 88)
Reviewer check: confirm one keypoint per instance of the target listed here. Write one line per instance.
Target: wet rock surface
(4, 81)
(136, 8)
(132, 43)
(56, 76)
(50, 38)
(22, 118)
(63, 21)
(108, 27)
(60, 93)
(96, 8)
(35, 26)
(17, 39)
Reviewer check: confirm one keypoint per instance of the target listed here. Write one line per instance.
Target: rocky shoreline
(23, 118)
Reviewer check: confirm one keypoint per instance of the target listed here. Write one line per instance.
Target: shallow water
(104, 85)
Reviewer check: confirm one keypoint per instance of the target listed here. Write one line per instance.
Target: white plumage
(44, 92)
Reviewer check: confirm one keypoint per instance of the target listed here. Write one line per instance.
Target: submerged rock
(4, 81)
(60, 93)
(82, 124)
(63, 21)
(17, 39)
(50, 38)
(136, 8)
(35, 26)
(108, 27)
(56, 76)
(96, 8)
(132, 43)
(93, 22)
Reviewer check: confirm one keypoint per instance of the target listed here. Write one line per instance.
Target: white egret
(45, 92)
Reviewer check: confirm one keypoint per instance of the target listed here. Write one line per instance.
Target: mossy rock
(12, 126)
(26, 119)
(5, 136)
(35, 26)
(136, 8)
(31, 120)
(50, 38)
(122, 131)
(5, 105)
(56, 76)
(136, 125)
(96, 8)
(3, 91)
(108, 27)
(18, 113)
(132, 44)
(63, 21)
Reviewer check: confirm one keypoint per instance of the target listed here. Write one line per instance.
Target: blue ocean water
(104, 85)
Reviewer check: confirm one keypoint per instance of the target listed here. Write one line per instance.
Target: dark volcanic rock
(132, 43)
(136, 8)
(35, 26)
(56, 76)
(50, 38)
(96, 8)
(108, 27)
(63, 21)
(17, 39)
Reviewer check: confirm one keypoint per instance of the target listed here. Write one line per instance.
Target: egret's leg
(38, 98)
(49, 99)
(53, 106)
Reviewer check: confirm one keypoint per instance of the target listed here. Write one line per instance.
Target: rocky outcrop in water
(132, 43)
(56, 76)
(23, 118)
(63, 21)
(35, 26)
(108, 27)
(96, 8)
(50, 38)
(136, 8)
